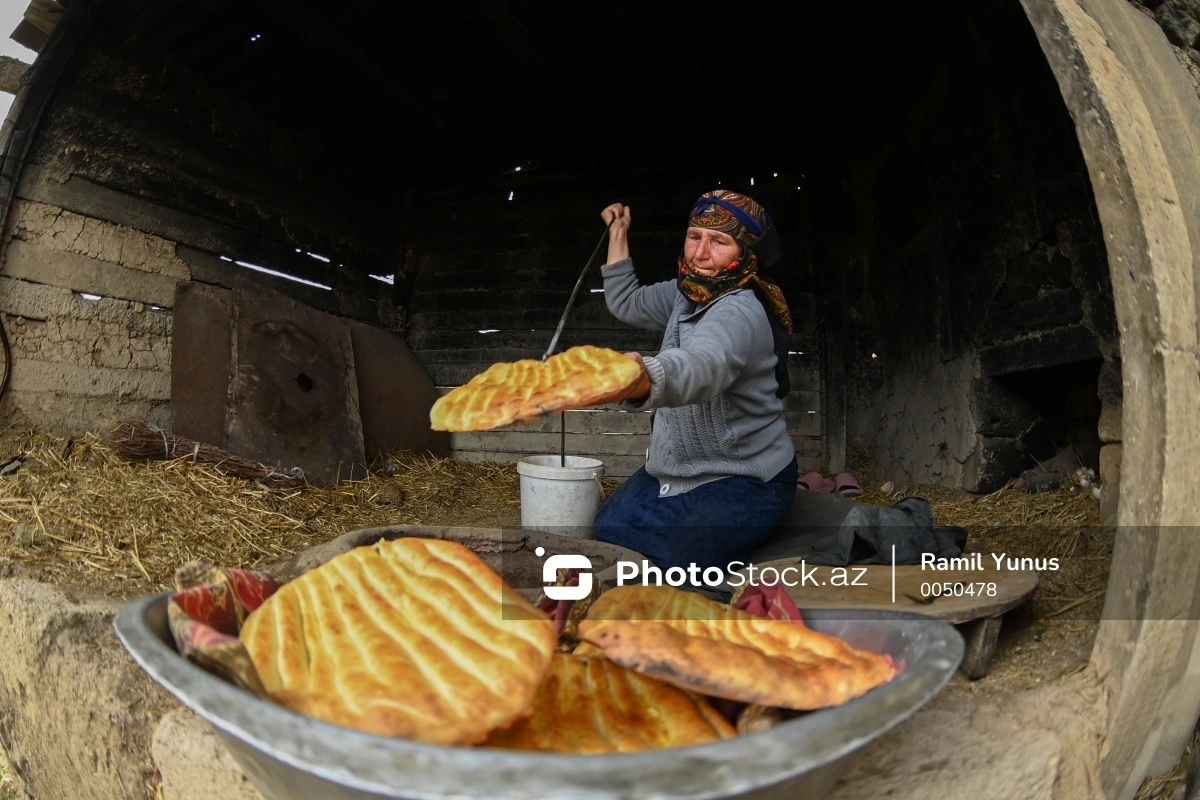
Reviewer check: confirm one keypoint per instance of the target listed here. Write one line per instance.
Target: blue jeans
(711, 525)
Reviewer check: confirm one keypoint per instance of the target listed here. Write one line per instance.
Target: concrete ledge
(194, 764)
(76, 712)
(962, 752)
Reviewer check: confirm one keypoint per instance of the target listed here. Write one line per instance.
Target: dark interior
(938, 226)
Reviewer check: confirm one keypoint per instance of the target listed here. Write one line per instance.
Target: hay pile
(73, 513)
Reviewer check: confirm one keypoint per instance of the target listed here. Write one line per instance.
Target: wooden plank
(802, 423)
(438, 341)
(293, 395)
(44, 14)
(620, 444)
(874, 589)
(27, 35)
(394, 395)
(1044, 349)
(802, 401)
(471, 300)
(805, 380)
(591, 317)
(81, 196)
(593, 443)
(614, 466)
(833, 399)
(802, 397)
(209, 268)
(202, 340)
(587, 421)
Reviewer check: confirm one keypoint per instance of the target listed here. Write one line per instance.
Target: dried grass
(78, 515)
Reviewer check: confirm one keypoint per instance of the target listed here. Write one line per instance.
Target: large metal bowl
(292, 757)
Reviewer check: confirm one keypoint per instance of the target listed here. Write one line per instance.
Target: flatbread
(415, 638)
(510, 393)
(592, 706)
(691, 642)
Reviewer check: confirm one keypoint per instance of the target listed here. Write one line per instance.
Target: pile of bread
(418, 638)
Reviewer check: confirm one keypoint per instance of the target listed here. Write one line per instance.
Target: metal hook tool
(571, 300)
(562, 415)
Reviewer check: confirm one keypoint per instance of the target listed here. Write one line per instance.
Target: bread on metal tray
(592, 705)
(415, 638)
(687, 640)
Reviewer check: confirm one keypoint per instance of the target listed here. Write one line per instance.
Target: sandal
(815, 482)
(845, 485)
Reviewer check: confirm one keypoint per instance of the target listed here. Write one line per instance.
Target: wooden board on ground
(873, 589)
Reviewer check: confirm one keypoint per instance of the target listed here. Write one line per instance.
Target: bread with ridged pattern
(592, 705)
(689, 641)
(520, 391)
(414, 638)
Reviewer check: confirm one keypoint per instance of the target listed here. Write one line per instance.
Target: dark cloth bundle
(830, 530)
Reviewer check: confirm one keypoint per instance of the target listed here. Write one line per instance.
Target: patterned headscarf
(746, 221)
(732, 213)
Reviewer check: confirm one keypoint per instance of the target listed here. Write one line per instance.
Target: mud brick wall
(79, 363)
(141, 177)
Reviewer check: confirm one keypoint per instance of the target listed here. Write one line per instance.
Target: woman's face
(708, 251)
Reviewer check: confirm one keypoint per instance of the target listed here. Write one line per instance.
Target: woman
(721, 471)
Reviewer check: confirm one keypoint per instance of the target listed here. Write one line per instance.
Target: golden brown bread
(510, 393)
(694, 643)
(595, 706)
(416, 638)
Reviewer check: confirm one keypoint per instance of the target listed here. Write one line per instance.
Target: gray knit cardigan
(712, 383)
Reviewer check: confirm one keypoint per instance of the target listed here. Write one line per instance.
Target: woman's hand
(637, 390)
(640, 388)
(618, 218)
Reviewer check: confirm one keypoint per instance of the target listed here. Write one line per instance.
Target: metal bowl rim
(790, 749)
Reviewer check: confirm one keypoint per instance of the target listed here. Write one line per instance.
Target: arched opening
(950, 247)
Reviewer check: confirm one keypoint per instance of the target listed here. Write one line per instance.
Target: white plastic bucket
(560, 497)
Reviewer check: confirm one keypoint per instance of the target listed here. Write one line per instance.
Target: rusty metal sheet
(201, 344)
(293, 399)
(395, 394)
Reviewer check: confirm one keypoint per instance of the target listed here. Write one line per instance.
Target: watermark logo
(565, 561)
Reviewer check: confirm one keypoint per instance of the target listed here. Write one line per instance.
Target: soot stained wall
(963, 246)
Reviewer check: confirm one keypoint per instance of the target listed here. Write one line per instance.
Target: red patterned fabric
(769, 601)
(206, 614)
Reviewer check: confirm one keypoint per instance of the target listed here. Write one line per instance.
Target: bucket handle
(599, 485)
